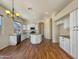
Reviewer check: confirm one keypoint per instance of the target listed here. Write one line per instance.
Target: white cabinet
(65, 44)
(36, 38)
(59, 22)
(23, 37)
(13, 40)
(62, 42)
(74, 33)
(71, 46)
(66, 22)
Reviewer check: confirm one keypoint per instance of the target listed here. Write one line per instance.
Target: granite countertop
(66, 36)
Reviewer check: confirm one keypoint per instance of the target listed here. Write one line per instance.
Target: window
(17, 26)
(0, 24)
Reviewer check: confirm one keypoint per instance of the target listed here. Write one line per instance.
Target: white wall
(7, 29)
(55, 32)
(47, 32)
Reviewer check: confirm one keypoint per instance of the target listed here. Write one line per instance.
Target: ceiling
(41, 9)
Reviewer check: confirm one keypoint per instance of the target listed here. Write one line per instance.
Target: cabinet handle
(73, 29)
(76, 29)
(76, 26)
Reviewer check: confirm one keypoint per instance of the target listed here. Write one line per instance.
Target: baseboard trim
(4, 47)
(55, 42)
(47, 39)
(66, 53)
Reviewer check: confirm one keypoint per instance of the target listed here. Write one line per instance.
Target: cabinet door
(62, 42)
(13, 40)
(74, 33)
(71, 32)
(66, 22)
(67, 45)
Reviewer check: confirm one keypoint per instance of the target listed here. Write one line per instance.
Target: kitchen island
(36, 38)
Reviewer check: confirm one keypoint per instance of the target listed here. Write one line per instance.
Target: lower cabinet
(65, 44)
(23, 37)
(62, 42)
(13, 40)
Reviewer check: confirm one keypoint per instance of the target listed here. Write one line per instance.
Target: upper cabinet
(59, 22)
(66, 22)
(70, 7)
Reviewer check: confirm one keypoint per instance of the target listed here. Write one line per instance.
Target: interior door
(51, 28)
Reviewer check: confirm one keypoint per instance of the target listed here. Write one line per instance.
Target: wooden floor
(25, 50)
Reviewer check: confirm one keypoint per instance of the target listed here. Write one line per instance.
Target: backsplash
(63, 31)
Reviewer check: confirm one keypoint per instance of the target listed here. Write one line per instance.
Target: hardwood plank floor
(25, 50)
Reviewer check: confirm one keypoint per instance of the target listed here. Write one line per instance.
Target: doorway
(51, 29)
(41, 28)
